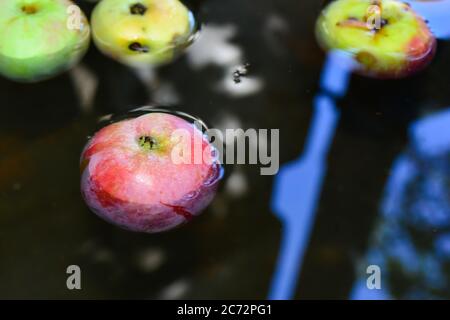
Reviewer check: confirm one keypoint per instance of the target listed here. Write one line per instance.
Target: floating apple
(138, 32)
(40, 38)
(131, 175)
(386, 37)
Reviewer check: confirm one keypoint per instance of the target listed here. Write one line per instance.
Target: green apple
(138, 32)
(40, 38)
(386, 37)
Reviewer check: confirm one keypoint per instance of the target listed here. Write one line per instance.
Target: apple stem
(136, 46)
(148, 143)
(138, 8)
(377, 3)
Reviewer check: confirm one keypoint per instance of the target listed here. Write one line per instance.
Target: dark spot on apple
(383, 23)
(29, 9)
(177, 38)
(138, 9)
(137, 47)
(147, 142)
(83, 165)
(366, 58)
(181, 211)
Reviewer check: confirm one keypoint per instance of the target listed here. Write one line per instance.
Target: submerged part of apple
(142, 32)
(40, 38)
(386, 37)
(131, 175)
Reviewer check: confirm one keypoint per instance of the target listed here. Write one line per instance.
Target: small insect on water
(240, 72)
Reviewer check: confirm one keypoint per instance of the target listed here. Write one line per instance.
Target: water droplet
(216, 173)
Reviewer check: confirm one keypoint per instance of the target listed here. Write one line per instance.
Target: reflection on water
(137, 112)
(412, 240)
(298, 185)
(436, 12)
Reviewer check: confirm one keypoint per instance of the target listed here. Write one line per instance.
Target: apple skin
(35, 42)
(159, 30)
(403, 46)
(140, 188)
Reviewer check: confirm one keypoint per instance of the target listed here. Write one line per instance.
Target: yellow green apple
(138, 32)
(386, 37)
(40, 38)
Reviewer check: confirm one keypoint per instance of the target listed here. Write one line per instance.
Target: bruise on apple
(83, 165)
(366, 59)
(29, 9)
(180, 210)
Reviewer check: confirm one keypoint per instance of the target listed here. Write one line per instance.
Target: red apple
(131, 178)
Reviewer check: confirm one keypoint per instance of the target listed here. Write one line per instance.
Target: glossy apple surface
(142, 32)
(130, 178)
(36, 41)
(396, 45)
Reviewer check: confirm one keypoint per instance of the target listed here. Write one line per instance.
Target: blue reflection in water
(420, 176)
(437, 14)
(412, 239)
(298, 184)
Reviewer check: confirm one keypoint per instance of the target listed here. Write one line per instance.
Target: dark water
(364, 177)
